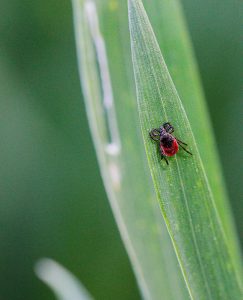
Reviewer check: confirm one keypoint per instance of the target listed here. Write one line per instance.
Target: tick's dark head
(167, 140)
(167, 127)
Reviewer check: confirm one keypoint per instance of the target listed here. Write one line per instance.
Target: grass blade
(170, 30)
(119, 148)
(182, 188)
(61, 281)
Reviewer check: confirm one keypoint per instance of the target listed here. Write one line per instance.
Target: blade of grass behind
(64, 284)
(119, 147)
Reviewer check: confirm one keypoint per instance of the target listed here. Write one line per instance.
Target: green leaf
(102, 37)
(170, 30)
(184, 194)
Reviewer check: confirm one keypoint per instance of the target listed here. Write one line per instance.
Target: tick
(168, 144)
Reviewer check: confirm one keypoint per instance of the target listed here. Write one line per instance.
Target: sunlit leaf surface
(182, 187)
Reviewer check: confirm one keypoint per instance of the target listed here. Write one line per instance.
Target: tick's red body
(168, 144)
(170, 151)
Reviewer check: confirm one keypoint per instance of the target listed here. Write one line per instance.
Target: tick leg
(163, 157)
(155, 134)
(180, 142)
(166, 160)
(185, 149)
(168, 127)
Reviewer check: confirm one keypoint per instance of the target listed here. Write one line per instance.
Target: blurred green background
(52, 199)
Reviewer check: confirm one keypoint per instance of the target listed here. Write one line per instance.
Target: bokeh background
(52, 201)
